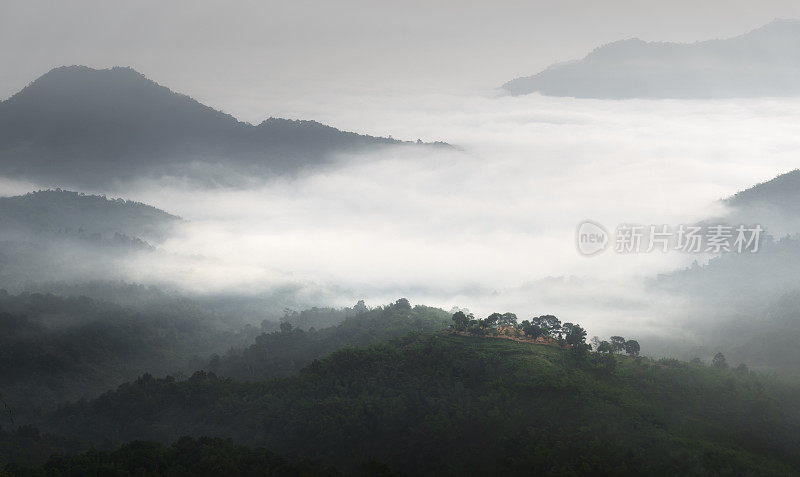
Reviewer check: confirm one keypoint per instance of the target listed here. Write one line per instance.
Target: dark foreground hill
(85, 127)
(763, 62)
(456, 405)
(55, 349)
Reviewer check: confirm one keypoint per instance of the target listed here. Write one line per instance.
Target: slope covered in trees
(455, 405)
(781, 194)
(52, 212)
(286, 352)
(186, 457)
(59, 235)
(54, 349)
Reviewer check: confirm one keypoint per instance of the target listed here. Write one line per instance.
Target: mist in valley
(488, 224)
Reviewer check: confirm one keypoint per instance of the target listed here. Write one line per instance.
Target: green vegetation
(451, 404)
(287, 351)
(186, 457)
(54, 349)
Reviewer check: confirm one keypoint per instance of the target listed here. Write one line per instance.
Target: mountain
(63, 212)
(781, 194)
(56, 235)
(763, 62)
(82, 126)
(749, 301)
(456, 405)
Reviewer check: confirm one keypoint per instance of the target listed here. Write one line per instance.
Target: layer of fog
(490, 226)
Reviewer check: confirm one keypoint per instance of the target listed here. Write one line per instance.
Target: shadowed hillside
(81, 126)
(455, 405)
(61, 211)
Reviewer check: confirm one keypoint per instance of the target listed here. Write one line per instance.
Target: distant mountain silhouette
(82, 126)
(61, 212)
(781, 194)
(764, 62)
(63, 236)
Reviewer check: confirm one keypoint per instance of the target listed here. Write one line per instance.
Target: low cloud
(479, 226)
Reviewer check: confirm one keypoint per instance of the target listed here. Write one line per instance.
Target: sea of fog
(488, 225)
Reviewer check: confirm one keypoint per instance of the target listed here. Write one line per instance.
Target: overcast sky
(229, 54)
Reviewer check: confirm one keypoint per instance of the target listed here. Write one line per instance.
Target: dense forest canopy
(439, 404)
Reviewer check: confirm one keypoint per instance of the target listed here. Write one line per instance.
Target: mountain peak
(78, 78)
(81, 126)
(100, 93)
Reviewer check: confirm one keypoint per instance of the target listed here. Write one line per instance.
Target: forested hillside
(61, 212)
(447, 404)
(54, 349)
(287, 351)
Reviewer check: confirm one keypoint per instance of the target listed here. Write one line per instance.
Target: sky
(258, 59)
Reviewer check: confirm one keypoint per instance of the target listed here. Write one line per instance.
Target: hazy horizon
(270, 59)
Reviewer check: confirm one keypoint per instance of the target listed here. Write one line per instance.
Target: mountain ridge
(761, 62)
(83, 127)
(57, 210)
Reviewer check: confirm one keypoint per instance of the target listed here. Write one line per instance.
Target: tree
(460, 321)
(507, 319)
(742, 368)
(403, 304)
(605, 363)
(531, 331)
(490, 320)
(617, 343)
(719, 361)
(549, 324)
(360, 307)
(580, 350)
(286, 327)
(595, 342)
(605, 347)
(632, 347)
(574, 335)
